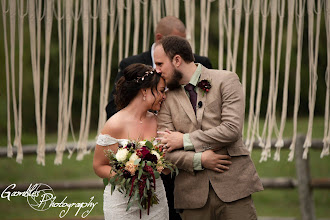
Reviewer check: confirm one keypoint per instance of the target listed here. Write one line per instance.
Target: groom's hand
(215, 162)
(172, 140)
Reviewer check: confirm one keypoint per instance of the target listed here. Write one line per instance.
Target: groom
(201, 120)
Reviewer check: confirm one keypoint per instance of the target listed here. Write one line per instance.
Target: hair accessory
(147, 73)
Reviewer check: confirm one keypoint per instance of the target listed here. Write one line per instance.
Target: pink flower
(130, 167)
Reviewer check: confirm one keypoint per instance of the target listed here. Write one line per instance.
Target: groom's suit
(217, 125)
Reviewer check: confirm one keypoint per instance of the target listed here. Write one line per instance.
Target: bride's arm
(101, 162)
(106, 142)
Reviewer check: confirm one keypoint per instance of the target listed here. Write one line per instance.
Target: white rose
(155, 142)
(142, 143)
(133, 157)
(123, 142)
(121, 154)
(155, 153)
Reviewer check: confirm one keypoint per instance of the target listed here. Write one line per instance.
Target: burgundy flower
(117, 166)
(205, 85)
(151, 157)
(130, 146)
(126, 174)
(144, 151)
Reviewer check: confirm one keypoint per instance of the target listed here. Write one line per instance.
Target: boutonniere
(204, 85)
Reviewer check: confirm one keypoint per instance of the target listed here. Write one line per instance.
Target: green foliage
(149, 145)
(105, 181)
(53, 87)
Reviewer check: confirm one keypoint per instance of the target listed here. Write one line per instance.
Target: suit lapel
(201, 99)
(184, 101)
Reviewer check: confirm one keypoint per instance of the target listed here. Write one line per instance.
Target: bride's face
(159, 95)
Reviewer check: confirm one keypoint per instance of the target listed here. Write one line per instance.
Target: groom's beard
(173, 83)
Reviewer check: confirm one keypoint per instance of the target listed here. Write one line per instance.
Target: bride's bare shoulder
(114, 125)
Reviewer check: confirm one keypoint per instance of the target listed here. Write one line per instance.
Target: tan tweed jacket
(217, 125)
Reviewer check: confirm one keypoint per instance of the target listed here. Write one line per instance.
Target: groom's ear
(177, 60)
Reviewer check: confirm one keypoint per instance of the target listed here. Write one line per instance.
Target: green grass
(302, 127)
(284, 203)
(30, 172)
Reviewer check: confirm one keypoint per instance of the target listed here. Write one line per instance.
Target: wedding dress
(115, 204)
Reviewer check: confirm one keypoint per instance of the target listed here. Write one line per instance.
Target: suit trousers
(216, 209)
(168, 182)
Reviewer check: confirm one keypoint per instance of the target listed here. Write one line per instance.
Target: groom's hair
(175, 45)
(135, 77)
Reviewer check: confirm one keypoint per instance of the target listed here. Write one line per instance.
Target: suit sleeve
(182, 159)
(232, 118)
(205, 61)
(145, 58)
(111, 107)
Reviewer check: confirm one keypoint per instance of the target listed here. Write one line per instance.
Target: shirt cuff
(187, 144)
(198, 161)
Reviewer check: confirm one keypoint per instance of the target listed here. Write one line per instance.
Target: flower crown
(147, 73)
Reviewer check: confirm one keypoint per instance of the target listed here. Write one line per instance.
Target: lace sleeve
(105, 140)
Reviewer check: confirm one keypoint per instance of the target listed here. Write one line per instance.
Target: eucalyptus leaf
(137, 161)
(140, 173)
(156, 175)
(105, 181)
(123, 182)
(129, 206)
(149, 145)
(136, 195)
(112, 180)
(145, 193)
(177, 171)
(148, 184)
(140, 206)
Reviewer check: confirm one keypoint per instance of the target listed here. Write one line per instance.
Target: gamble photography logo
(41, 197)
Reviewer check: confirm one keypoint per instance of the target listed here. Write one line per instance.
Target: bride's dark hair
(135, 77)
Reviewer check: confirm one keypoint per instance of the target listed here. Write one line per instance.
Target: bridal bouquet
(137, 166)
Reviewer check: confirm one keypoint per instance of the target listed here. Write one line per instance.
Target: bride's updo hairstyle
(135, 77)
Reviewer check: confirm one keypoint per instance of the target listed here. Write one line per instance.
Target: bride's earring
(144, 94)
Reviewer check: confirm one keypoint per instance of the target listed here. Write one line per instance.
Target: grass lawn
(283, 203)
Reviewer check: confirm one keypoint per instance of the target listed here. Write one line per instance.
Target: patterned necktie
(192, 94)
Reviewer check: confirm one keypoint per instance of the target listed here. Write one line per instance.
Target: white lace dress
(114, 205)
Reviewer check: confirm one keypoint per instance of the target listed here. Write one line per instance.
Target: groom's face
(165, 66)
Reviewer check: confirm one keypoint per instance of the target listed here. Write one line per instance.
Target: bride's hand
(172, 140)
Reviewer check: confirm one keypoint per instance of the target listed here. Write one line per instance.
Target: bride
(140, 89)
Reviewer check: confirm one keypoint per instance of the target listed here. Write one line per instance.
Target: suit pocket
(238, 149)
